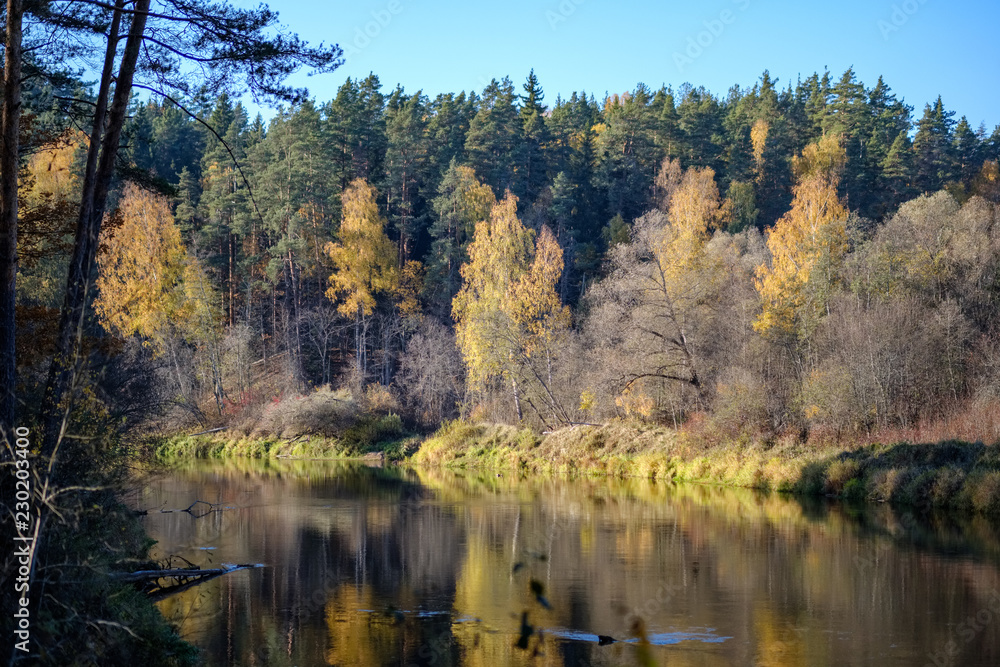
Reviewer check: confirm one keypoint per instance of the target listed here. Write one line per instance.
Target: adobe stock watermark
(562, 12)
(965, 632)
(369, 32)
(25, 538)
(704, 39)
(900, 15)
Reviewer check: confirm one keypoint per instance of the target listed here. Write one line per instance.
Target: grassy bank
(952, 474)
(381, 435)
(945, 474)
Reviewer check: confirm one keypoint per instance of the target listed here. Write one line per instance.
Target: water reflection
(394, 567)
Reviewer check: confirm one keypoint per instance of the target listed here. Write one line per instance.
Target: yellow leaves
(147, 284)
(693, 209)
(694, 206)
(824, 159)
(51, 168)
(536, 306)
(635, 403)
(49, 204)
(508, 306)
(141, 268)
(364, 259)
(758, 139)
(806, 244)
(411, 283)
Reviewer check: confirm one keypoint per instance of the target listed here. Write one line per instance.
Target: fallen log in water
(150, 581)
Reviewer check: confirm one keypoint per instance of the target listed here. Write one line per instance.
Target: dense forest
(810, 258)
(813, 255)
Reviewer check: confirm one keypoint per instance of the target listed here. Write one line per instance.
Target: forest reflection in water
(370, 566)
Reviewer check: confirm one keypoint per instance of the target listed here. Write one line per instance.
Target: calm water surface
(365, 566)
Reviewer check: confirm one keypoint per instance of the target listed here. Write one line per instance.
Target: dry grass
(948, 473)
(975, 421)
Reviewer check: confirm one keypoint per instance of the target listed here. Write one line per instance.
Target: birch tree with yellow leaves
(508, 315)
(365, 263)
(807, 246)
(149, 286)
(141, 269)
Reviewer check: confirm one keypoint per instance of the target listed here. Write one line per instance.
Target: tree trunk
(294, 303)
(101, 157)
(9, 165)
(517, 400)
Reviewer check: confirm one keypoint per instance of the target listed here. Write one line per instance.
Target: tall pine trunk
(9, 164)
(101, 156)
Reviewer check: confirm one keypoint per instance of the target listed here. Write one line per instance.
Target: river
(372, 566)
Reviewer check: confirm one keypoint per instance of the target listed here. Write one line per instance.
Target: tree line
(654, 253)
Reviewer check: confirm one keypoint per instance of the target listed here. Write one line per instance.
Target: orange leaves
(806, 244)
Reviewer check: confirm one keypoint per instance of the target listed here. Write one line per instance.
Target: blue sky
(923, 48)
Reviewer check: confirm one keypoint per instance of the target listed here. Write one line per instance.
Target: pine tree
(573, 152)
(888, 149)
(223, 203)
(536, 139)
(817, 100)
(447, 130)
(897, 172)
(626, 152)
(355, 132)
(562, 214)
(406, 161)
(293, 192)
(934, 153)
(495, 135)
(700, 121)
(967, 151)
(848, 116)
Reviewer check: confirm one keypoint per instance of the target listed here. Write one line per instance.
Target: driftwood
(190, 509)
(211, 430)
(153, 584)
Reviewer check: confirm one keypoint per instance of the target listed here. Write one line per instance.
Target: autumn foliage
(806, 244)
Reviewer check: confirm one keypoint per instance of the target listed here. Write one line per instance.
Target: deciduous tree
(508, 309)
(806, 244)
(364, 261)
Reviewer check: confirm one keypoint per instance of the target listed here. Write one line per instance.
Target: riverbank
(382, 436)
(947, 474)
